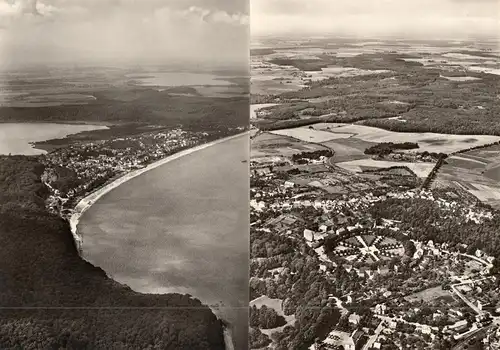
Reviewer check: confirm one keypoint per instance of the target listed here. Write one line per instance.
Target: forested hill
(53, 299)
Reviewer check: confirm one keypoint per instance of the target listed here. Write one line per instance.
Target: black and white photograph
(375, 188)
(250, 174)
(124, 174)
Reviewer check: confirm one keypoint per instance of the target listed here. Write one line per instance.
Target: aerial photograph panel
(124, 162)
(375, 190)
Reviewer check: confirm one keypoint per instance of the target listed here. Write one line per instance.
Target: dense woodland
(257, 339)
(421, 94)
(427, 221)
(66, 302)
(301, 64)
(385, 148)
(265, 318)
(303, 289)
(267, 125)
(143, 106)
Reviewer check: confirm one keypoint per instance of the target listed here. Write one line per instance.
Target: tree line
(265, 317)
(385, 148)
(301, 158)
(67, 302)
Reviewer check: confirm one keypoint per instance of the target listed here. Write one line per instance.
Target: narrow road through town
(374, 337)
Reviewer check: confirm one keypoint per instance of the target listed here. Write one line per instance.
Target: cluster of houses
(411, 156)
(340, 340)
(279, 202)
(97, 162)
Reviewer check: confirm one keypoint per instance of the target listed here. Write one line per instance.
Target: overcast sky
(375, 18)
(123, 30)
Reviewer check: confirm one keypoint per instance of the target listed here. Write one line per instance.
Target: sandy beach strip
(228, 338)
(85, 203)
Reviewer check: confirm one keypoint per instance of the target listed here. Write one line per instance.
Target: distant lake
(182, 227)
(15, 138)
(178, 79)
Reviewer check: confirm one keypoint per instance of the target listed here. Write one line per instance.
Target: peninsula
(53, 295)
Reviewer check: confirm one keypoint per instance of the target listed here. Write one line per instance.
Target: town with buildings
(392, 291)
(374, 195)
(75, 171)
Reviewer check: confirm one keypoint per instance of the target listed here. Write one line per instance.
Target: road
(367, 249)
(374, 337)
(463, 343)
(464, 299)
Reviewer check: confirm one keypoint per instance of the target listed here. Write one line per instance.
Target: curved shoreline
(85, 203)
(228, 338)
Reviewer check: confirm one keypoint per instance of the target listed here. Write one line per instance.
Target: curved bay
(182, 227)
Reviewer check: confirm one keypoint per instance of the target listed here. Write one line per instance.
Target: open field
(309, 54)
(360, 165)
(430, 142)
(465, 78)
(493, 172)
(433, 79)
(268, 78)
(272, 303)
(347, 149)
(267, 144)
(471, 177)
(276, 305)
(476, 171)
(369, 239)
(428, 295)
(487, 70)
(484, 193)
(342, 72)
(311, 135)
(462, 161)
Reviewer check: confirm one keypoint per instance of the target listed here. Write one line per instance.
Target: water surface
(15, 138)
(169, 79)
(182, 227)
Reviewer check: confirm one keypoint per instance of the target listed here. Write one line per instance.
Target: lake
(168, 79)
(15, 138)
(182, 227)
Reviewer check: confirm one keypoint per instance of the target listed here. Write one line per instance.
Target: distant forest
(53, 299)
(408, 98)
(144, 106)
